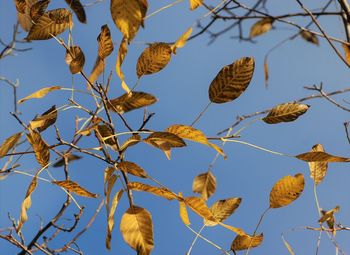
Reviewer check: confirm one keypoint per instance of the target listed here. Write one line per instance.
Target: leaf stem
(201, 114)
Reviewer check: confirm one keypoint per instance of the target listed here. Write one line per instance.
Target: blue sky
(182, 90)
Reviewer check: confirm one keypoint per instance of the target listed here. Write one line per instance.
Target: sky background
(182, 90)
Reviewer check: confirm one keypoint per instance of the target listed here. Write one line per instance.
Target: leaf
(266, 73)
(41, 149)
(309, 37)
(123, 50)
(204, 184)
(75, 58)
(51, 23)
(70, 158)
(261, 27)
(286, 190)
(194, 4)
(105, 43)
(346, 49)
(97, 70)
(183, 213)
(137, 229)
(320, 156)
(318, 170)
(23, 13)
(153, 59)
(329, 215)
(78, 9)
(9, 143)
(162, 192)
(131, 141)
(131, 101)
(199, 207)
(231, 81)
(20, 5)
(45, 120)
(75, 188)
(102, 132)
(110, 219)
(38, 9)
(285, 113)
(238, 231)
(132, 168)
(182, 40)
(244, 242)
(128, 16)
(222, 209)
(39, 94)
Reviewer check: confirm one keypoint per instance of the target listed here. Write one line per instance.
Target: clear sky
(182, 90)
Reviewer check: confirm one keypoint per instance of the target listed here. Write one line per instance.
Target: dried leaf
(266, 73)
(137, 229)
(261, 27)
(20, 5)
(132, 168)
(78, 9)
(329, 215)
(346, 49)
(238, 231)
(70, 158)
(132, 140)
(97, 70)
(204, 184)
(182, 40)
(309, 37)
(23, 13)
(231, 81)
(184, 213)
(153, 59)
(123, 50)
(41, 149)
(318, 170)
(286, 190)
(285, 113)
(75, 58)
(51, 23)
(131, 101)
(320, 156)
(222, 209)
(9, 143)
(162, 192)
(75, 188)
(102, 132)
(39, 94)
(110, 220)
(45, 120)
(105, 43)
(194, 4)
(38, 9)
(244, 242)
(199, 207)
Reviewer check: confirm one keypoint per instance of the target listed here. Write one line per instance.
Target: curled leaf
(162, 192)
(39, 94)
(38, 9)
(9, 143)
(41, 149)
(75, 58)
(309, 37)
(45, 120)
(78, 9)
(182, 40)
(75, 188)
(110, 217)
(133, 140)
(285, 113)
(131, 101)
(105, 134)
(123, 50)
(261, 27)
(244, 242)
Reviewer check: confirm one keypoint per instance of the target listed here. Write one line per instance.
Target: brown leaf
(137, 229)
(50, 24)
(123, 50)
(132, 168)
(78, 9)
(320, 156)
(9, 143)
(132, 140)
(45, 120)
(105, 43)
(131, 101)
(309, 37)
(75, 188)
(38, 9)
(266, 73)
(162, 192)
(97, 70)
(102, 132)
(23, 13)
(110, 218)
(261, 27)
(285, 113)
(70, 158)
(41, 149)
(39, 94)
(328, 216)
(20, 5)
(346, 49)
(204, 184)
(286, 190)
(199, 207)
(194, 4)
(75, 58)
(222, 209)
(231, 81)
(153, 59)
(244, 242)
(318, 170)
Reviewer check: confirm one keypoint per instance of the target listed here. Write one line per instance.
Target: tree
(118, 144)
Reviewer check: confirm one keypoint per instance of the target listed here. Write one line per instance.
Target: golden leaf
(105, 43)
(204, 184)
(128, 16)
(286, 190)
(9, 143)
(199, 207)
(97, 70)
(285, 113)
(320, 156)
(123, 50)
(222, 209)
(244, 242)
(50, 24)
(328, 216)
(346, 49)
(78, 9)
(75, 188)
(318, 170)
(110, 220)
(194, 4)
(39, 94)
(132, 168)
(153, 59)
(131, 101)
(23, 13)
(309, 37)
(231, 81)
(238, 231)
(182, 40)
(162, 192)
(75, 58)
(20, 5)
(261, 27)
(132, 140)
(41, 149)
(38, 9)
(70, 158)
(102, 132)
(45, 120)
(184, 213)
(137, 229)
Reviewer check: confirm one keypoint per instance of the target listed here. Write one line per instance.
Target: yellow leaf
(45, 120)
(244, 242)
(320, 156)
(123, 50)
(222, 209)
(182, 40)
(204, 184)
(309, 37)
(75, 58)
(39, 94)
(194, 4)
(41, 149)
(132, 140)
(110, 220)
(231, 81)
(97, 70)
(286, 190)
(132, 168)
(238, 231)
(131, 101)
(184, 213)
(105, 43)
(285, 113)
(346, 49)
(162, 192)
(318, 170)
(199, 207)
(78, 9)
(261, 27)
(137, 229)
(9, 143)
(75, 188)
